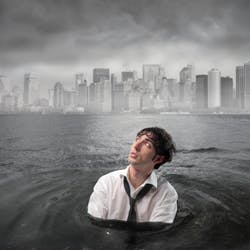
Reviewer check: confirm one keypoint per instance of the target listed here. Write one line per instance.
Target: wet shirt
(110, 201)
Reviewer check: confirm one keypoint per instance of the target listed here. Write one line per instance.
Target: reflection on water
(49, 164)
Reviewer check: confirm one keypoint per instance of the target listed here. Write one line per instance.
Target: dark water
(49, 164)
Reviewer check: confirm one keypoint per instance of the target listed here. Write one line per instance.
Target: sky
(58, 38)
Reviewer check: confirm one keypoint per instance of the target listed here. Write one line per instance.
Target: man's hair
(162, 142)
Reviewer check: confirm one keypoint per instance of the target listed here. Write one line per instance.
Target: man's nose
(137, 145)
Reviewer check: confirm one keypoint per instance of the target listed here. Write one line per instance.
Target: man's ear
(159, 159)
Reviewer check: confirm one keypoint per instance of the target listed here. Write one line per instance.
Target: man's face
(142, 152)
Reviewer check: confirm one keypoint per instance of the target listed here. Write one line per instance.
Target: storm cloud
(79, 34)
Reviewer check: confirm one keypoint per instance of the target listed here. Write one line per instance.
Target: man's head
(153, 145)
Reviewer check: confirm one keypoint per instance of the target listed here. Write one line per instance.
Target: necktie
(143, 192)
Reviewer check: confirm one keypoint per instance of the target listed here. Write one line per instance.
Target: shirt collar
(152, 179)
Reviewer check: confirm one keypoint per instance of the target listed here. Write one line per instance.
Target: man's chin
(131, 162)
(131, 159)
(134, 163)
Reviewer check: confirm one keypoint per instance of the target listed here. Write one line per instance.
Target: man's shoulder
(113, 175)
(165, 186)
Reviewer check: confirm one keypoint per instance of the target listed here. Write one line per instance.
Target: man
(135, 194)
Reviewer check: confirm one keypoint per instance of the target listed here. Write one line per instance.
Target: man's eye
(148, 144)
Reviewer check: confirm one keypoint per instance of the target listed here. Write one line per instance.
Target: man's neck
(137, 177)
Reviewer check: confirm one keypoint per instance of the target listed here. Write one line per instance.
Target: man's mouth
(133, 154)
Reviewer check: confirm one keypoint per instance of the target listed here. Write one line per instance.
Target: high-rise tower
(214, 89)
(151, 76)
(247, 84)
(58, 96)
(226, 92)
(31, 89)
(201, 91)
(100, 75)
(240, 87)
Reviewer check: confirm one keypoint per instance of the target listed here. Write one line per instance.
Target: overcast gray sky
(58, 38)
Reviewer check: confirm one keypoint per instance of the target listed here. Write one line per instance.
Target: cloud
(116, 32)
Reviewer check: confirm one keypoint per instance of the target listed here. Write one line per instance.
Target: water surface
(49, 164)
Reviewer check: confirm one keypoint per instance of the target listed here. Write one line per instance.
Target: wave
(12, 139)
(185, 166)
(25, 149)
(201, 150)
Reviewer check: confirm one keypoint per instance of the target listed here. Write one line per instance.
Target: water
(49, 164)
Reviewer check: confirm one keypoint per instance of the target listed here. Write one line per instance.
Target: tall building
(78, 80)
(247, 84)
(107, 96)
(26, 92)
(186, 88)
(126, 75)
(51, 97)
(240, 87)
(91, 94)
(192, 72)
(201, 91)
(114, 81)
(118, 97)
(58, 96)
(214, 89)
(9, 103)
(100, 74)
(151, 76)
(186, 75)
(134, 101)
(99, 92)
(83, 94)
(173, 87)
(31, 89)
(147, 102)
(69, 99)
(4, 81)
(226, 92)
(159, 84)
(17, 92)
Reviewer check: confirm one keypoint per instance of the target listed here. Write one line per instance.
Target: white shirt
(110, 201)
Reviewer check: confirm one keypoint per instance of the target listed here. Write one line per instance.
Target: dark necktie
(143, 192)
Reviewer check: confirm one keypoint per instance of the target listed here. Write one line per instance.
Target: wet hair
(162, 141)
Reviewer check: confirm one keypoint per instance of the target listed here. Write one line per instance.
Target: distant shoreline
(125, 113)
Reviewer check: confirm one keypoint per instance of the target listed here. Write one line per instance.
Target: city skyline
(154, 92)
(88, 76)
(58, 38)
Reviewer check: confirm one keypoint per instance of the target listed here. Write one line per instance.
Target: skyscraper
(201, 91)
(79, 79)
(58, 96)
(100, 74)
(186, 90)
(51, 97)
(126, 75)
(240, 87)
(69, 99)
(214, 89)
(9, 103)
(83, 94)
(91, 94)
(226, 92)
(31, 89)
(107, 96)
(3, 82)
(118, 97)
(247, 84)
(186, 75)
(151, 76)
